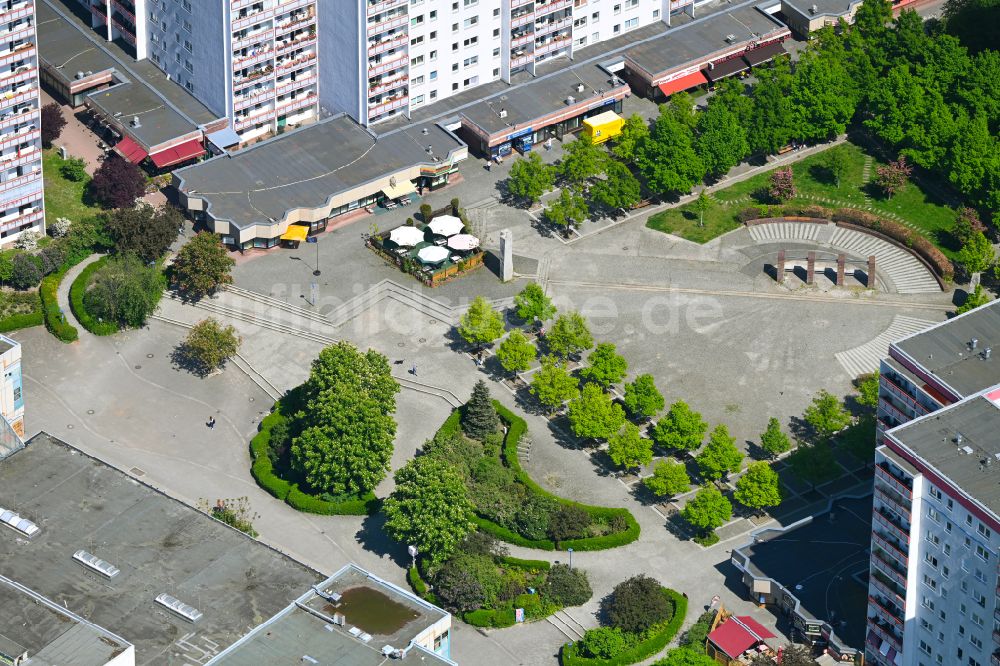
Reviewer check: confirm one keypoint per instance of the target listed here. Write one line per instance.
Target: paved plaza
(707, 321)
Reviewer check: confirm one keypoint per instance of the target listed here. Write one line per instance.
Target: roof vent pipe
(973, 343)
(987, 352)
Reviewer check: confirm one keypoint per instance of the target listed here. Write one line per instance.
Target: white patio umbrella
(432, 254)
(406, 236)
(463, 242)
(446, 225)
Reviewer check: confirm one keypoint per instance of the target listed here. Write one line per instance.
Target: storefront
(525, 139)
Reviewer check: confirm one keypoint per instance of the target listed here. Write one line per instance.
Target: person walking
(211, 423)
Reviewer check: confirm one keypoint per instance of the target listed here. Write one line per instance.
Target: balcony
(901, 486)
(17, 138)
(20, 181)
(387, 64)
(894, 551)
(386, 84)
(521, 39)
(127, 31)
(885, 404)
(252, 39)
(21, 219)
(251, 59)
(521, 19)
(882, 563)
(283, 88)
(284, 106)
(894, 501)
(522, 60)
(20, 32)
(304, 38)
(886, 632)
(545, 27)
(552, 45)
(888, 591)
(26, 73)
(19, 98)
(251, 18)
(881, 607)
(291, 5)
(19, 11)
(387, 106)
(22, 51)
(244, 121)
(20, 158)
(541, 9)
(294, 22)
(290, 64)
(99, 11)
(126, 10)
(250, 77)
(384, 5)
(396, 40)
(388, 23)
(514, 4)
(892, 524)
(253, 97)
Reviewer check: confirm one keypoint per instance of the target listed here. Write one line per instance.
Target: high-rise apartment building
(383, 58)
(21, 199)
(253, 61)
(934, 596)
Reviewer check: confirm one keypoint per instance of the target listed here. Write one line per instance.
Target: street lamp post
(317, 271)
(570, 550)
(412, 550)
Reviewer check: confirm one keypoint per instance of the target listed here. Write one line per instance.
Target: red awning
(177, 154)
(738, 634)
(683, 83)
(130, 150)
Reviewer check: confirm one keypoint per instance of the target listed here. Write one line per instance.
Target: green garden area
(816, 185)
(65, 189)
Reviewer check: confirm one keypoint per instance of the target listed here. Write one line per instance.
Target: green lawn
(63, 198)
(815, 186)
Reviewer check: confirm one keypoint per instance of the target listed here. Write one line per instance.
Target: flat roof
(818, 561)
(50, 634)
(823, 7)
(159, 544)
(943, 349)
(932, 439)
(304, 168)
(308, 627)
(166, 110)
(681, 47)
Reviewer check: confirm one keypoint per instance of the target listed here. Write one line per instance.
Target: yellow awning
(399, 189)
(296, 232)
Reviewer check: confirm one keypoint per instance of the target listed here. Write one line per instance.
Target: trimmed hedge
(263, 473)
(510, 536)
(76, 292)
(19, 321)
(54, 320)
(495, 619)
(643, 650)
(526, 565)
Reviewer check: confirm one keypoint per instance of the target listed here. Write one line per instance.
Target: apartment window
(925, 648)
(418, 100)
(942, 615)
(454, 87)
(656, 13)
(471, 21)
(417, 40)
(155, 57)
(153, 18)
(433, 34)
(935, 493)
(496, 53)
(433, 15)
(595, 16)
(469, 62)
(470, 3)
(419, 60)
(933, 514)
(930, 582)
(968, 520)
(617, 29)
(189, 46)
(947, 549)
(414, 3)
(470, 41)
(931, 560)
(976, 642)
(984, 531)
(496, 73)
(631, 4)
(962, 609)
(496, 32)
(187, 25)
(189, 86)
(432, 56)
(927, 603)
(454, 27)
(945, 571)
(471, 82)
(631, 23)
(417, 81)
(932, 538)
(189, 66)
(980, 576)
(924, 624)
(454, 67)
(980, 599)
(454, 6)
(433, 75)
(618, 9)
(434, 94)
(978, 620)
(177, 58)
(417, 20)
(186, 5)
(582, 41)
(454, 46)
(496, 12)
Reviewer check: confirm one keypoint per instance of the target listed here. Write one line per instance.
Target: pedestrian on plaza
(211, 423)
(413, 370)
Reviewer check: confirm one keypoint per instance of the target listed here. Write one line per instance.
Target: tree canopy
(669, 478)
(117, 183)
(142, 230)
(481, 324)
(567, 210)
(758, 488)
(773, 440)
(532, 303)
(202, 265)
(708, 509)
(627, 448)
(593, 415)
(552, 384)
(582, 160)
(667, 158)
(530, 178)
(516, 352)
(209, 345)
(680, 428)
(569, 335)
(619, 189)
(720, 456)
(642, 399)
(827, 415)
(605, 366)
(479, 416)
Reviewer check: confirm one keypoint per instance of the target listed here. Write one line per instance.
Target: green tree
(702, 204)
(822, 96)
(977, 255)
(772, 116)
(209, 345)
(827, 415)
(479, 416)
(838, 163)
(582, 160)
(667, 158)
(429, 508)
(642, 399)
(619, 190)
(532, 303)
(815, 463)
(568, 521)
(636, 604)
(604, 642)
(973, 300)
(867, 386)
(773, 440)
(553, 385)
(593, 415)
(569, 335)
(481, 324)
(634, 132)
(605, 366)
(720, 456)
(142, 230)
(568, 210)
(722, 138)
(124, 291)
(202, 265)
(516, 353)
(567, 587)
(345, 446)
(669, 478)
(976, 23)
(707, 510)
(683, 656)
(681, 428)
(530, 178)
(342, 363)
(758, 488)
(25, 272)
(627, 448)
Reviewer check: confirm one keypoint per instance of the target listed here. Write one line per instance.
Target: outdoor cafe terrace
(432, 253)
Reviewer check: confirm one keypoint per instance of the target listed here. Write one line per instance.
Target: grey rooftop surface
(823, 7)
(932, 439)
(304, 168)
(822, 556)
(945, 352)
(307, 628)
(159, 544)
(166, 110)
(49, 634)
(680, 47)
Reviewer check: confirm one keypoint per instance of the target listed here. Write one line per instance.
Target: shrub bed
(262, 470)
(19, 321)
(654, 640)
(55, 320)
(76, 292)
(20, 309)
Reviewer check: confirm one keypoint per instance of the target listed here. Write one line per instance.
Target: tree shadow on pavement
(373, 538)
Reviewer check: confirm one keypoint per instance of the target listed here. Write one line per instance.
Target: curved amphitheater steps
(906, 273)
(867, 357)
